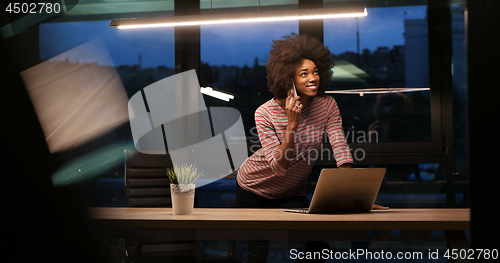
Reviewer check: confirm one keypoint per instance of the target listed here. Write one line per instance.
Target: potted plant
(182, 184)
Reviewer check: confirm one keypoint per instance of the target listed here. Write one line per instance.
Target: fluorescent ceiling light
(216, 94)
(247, 17)
(376, 90)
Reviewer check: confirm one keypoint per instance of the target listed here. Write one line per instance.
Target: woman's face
(306, 78)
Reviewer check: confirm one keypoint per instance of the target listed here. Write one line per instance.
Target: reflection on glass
(391, 111)
(385, 117)
(77, 96)
(139, 57)
(383, 58)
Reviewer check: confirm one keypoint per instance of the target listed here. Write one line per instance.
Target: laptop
(344, 191)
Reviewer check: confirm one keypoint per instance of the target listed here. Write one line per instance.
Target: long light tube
(247, 17)
(216, 94)
(375, 90)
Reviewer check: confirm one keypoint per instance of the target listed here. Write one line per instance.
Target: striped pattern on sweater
(263, 175)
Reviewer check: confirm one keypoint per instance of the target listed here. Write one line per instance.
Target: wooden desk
(274, 224)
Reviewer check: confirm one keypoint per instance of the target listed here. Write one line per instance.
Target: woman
(290, 130)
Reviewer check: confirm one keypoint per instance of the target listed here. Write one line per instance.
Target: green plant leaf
(183, 174)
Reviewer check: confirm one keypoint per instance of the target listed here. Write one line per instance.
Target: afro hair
(287, 54)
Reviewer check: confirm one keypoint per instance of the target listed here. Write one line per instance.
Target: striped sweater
(263, 175)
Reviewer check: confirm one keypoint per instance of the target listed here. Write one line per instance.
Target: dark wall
(484, 107)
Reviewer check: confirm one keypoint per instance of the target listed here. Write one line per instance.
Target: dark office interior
(448, 161)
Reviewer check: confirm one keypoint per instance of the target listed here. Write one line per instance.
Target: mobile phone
(294, 92)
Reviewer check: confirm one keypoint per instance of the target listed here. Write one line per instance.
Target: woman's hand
(345, 165)
(293, 111)
(379, 207)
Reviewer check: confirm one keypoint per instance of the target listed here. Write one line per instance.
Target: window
(141, 57)
(233, 60)
(381, 76)
(128, 61)
(389, 79)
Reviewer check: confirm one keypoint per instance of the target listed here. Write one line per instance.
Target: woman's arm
(278, 152)
(336, 136)
(293, 111)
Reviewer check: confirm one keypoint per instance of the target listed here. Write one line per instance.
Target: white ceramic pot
(182, 198)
